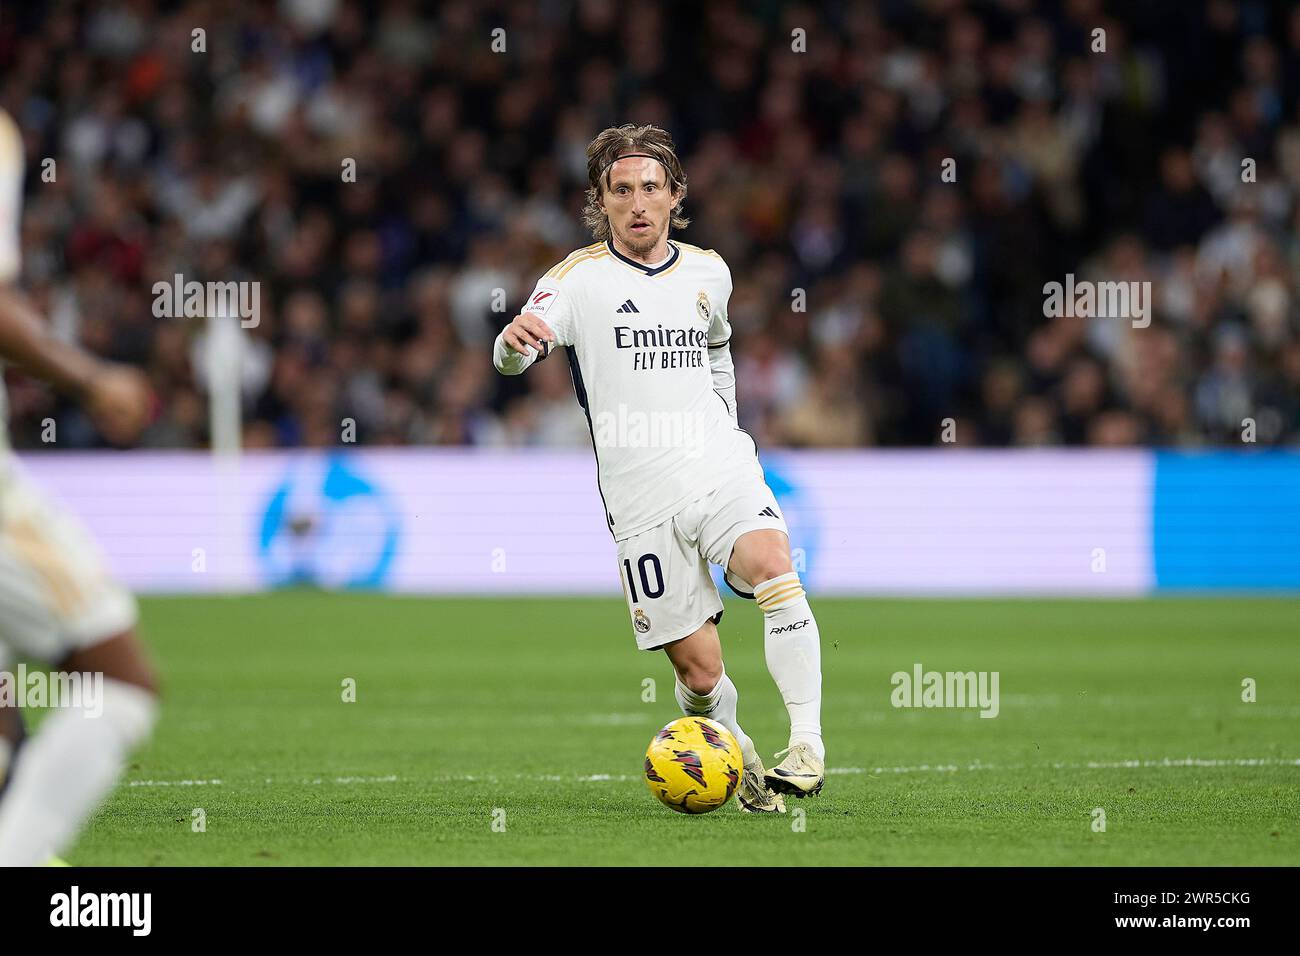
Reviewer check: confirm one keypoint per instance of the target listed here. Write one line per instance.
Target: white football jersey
(651, 367)
(11, 200)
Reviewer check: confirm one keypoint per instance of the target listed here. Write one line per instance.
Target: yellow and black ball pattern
(693, 765)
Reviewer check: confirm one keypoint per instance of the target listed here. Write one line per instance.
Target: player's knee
(145, 681)
(700, 676)
(772, 563)
(135, 672)
(120, 658)
(761, 556)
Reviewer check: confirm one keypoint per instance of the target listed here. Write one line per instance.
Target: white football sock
(794, 656)
(720, 704)
(65, 769)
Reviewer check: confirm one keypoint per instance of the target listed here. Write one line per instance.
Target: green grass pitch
(534, 707)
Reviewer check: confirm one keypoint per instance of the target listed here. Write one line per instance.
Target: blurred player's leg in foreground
(57, 605)
(12, 734)
(704, 689)
(70, 764)
(793, 649)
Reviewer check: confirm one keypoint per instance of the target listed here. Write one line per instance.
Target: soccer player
(644, 318)
(56, 603)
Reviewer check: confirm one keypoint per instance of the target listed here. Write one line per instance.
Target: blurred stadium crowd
(816, 171)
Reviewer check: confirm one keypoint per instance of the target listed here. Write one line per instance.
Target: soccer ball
(693, 765)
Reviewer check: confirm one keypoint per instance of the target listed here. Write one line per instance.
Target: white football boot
(801, 773)
(753, 795)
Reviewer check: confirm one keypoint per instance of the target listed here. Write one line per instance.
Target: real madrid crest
(640, 621)
(703, 307)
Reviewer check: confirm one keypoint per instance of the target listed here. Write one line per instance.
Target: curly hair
(618, 141)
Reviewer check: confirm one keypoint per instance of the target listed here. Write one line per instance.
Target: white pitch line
(173, 783)
(1089, 765)
(1190, 762)
(1165, 762)
(316, 781)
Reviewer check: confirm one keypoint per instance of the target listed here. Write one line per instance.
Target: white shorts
(55, 595)
(665, 570)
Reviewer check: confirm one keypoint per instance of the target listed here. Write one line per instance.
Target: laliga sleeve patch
(541, 302)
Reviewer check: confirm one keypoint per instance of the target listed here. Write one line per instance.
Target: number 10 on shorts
(643, 565)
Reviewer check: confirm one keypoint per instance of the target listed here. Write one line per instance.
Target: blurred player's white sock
(720, 704)
(65, 769)
(794, 656)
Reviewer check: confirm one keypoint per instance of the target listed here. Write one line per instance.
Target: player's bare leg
(704, 688)
(12, 734)
(71, 763)
(793, 649)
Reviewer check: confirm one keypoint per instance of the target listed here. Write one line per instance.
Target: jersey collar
(642, 267)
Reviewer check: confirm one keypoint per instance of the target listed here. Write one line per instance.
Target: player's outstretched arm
(117, 396)
(520, 343)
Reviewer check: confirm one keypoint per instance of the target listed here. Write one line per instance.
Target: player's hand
(527, 329)
(118, 400)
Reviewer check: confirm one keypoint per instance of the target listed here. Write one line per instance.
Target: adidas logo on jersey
(627, 306)
(768, 512)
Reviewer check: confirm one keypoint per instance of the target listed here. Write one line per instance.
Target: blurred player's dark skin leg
(13, 732)
(697, 659)
(759, 556)
(119, 658)
(11, 725)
